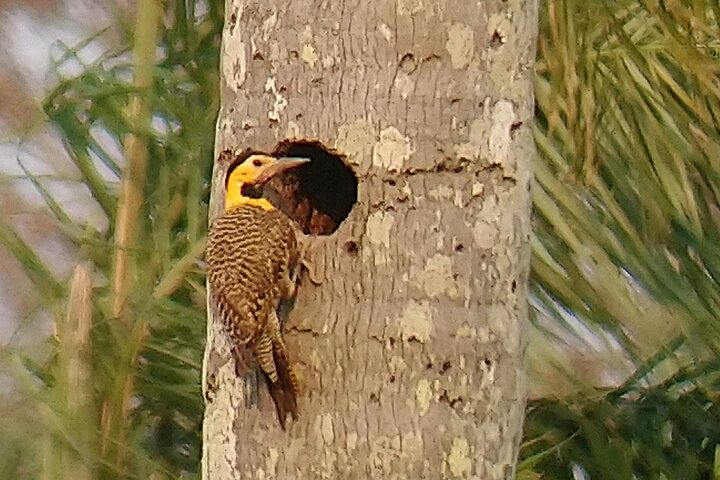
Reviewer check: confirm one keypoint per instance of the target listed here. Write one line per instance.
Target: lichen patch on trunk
(436, 277)
(423, 396)
(392, 150)
(416, 322)
(460, 45)
(458, 459)
(278, 101)
(503, 117)
(308, 55)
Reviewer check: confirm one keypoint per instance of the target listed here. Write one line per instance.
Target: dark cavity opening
(318, 195)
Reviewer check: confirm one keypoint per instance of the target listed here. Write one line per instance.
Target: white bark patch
(269, 25)
(409, 7)
(441, 192)
(460, 45)
(392, 150)
(356, 140)
(459, 458)
(234, 59)
(466, 331)
(436, 277)
(293, 130)
(279, 102)
(351, 441)
(423, 396)
(308, 55)
(328, 433)
(485, 228)
(404, 84)
(503, 116)
(477, 189)
(222, 459)
(416, 322)
(377, 231)
(476, 137)
(386, 32)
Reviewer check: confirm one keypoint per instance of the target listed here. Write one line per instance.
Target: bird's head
(255, 170)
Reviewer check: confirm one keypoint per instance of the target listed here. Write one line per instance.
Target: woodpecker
(253, 263)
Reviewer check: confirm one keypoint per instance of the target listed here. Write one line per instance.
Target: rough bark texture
(410, 352)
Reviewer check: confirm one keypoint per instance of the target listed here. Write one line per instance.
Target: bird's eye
(257, 162)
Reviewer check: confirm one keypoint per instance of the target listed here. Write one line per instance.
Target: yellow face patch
(247, 173)
(250, 170)
(256, 169)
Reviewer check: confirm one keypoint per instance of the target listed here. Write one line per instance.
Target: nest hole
(318, 195)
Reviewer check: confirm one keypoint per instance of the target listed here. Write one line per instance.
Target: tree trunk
(410, 350)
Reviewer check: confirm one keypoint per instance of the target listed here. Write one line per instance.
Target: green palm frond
(626, 238)
(626, 199)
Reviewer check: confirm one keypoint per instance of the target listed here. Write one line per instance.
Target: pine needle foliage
(626, 235)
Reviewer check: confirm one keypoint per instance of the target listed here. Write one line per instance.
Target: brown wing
(247, 249)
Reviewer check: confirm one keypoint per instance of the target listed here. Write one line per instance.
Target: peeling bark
(410, 351)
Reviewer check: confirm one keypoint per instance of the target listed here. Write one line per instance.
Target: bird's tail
(284, 390)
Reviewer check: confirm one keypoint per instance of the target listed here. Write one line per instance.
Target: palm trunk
(410, 350)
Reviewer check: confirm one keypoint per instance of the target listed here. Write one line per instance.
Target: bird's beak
(281, 164)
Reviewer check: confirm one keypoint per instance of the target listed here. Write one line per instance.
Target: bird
(253, 262)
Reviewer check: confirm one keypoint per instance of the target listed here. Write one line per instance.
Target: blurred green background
(623, 358)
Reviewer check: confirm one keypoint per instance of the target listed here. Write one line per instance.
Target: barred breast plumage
(251, 254)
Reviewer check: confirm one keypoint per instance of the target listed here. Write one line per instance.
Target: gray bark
(410, 351)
